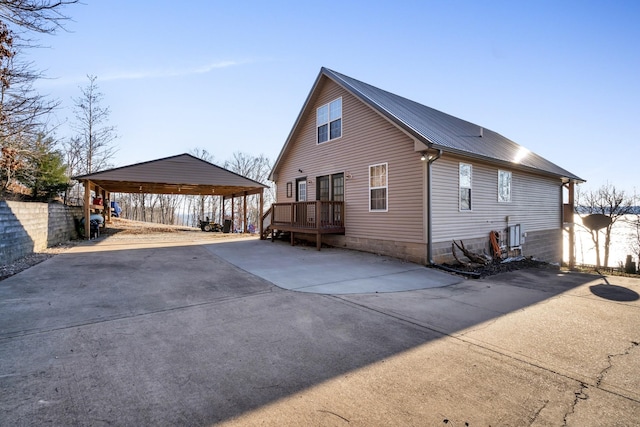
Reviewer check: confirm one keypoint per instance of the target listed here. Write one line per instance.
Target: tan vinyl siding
(535, 201)
(367, 139)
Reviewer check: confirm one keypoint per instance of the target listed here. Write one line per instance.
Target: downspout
(430, 160)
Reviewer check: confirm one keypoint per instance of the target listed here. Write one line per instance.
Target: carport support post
(572, 235)
(244, 208)
(87, 202)
(222, 210)
(107, 206)
(233, 213)
(261, 214)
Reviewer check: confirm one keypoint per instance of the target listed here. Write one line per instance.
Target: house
(366, 169)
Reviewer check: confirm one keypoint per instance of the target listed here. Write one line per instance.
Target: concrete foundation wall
(543, 245)
(407, 251)
(31, 227)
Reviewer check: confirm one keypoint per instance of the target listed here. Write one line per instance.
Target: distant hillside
(584, 210)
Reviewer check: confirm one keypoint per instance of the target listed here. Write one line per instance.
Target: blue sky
(558, 77)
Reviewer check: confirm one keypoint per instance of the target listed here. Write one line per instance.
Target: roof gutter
(430, 159)
(512, 165)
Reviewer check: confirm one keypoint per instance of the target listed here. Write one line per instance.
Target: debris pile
(481, 264)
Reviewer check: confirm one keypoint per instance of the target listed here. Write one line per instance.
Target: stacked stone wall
(31, 227)
(62, 223)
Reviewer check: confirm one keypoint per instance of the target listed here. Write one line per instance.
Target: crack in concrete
(122, 316)
(333, 413)
(537, 413)
(579, 395)
(482, 326)
(610, 358)
(582, 395)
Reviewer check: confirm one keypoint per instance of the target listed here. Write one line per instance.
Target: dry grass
(126, 226)
(121, 229)
(140, 231)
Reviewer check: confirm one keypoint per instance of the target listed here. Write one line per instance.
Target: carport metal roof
(181, 174)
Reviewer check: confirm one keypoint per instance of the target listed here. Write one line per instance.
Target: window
(378, 187)
(504, 186)
(465, 187)
(329, 121)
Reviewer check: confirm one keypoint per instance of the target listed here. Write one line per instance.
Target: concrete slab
(329, 271)
(169, 333)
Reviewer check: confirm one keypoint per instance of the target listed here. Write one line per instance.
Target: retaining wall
(31, 227)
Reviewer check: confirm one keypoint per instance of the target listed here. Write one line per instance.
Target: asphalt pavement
(116, 332)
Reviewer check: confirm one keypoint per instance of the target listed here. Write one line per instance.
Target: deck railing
(319, 215)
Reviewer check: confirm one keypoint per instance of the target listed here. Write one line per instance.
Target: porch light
(424, 156)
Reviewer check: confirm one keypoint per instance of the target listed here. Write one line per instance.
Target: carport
(182, 174)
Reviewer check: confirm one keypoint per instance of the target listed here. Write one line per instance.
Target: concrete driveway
(333, 271)
(170, 333)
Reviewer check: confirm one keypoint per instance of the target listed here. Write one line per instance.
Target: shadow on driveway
(614, 292)
(172, 334)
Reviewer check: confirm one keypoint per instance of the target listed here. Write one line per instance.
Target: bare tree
(633, 223)
(23, 112)
(95, 134)
(608, 201)
(40, 16)
(168, 204)
(23, 116)
(203, 154)
(256, 168)
(634, 238)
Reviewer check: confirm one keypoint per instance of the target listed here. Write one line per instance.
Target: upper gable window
(329, 121)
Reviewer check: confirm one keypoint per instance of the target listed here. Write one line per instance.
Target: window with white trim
(465, 186)
(504, 186)
(378, 188)
(329, 121)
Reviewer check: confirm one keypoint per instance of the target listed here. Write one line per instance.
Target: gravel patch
(21, 264)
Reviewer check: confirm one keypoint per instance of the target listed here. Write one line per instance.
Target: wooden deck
(317, 217)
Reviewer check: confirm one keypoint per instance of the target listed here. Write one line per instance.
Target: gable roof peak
(432, 127)
(444, 131)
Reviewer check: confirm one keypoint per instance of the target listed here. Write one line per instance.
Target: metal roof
(440, 130)
(181, 174)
